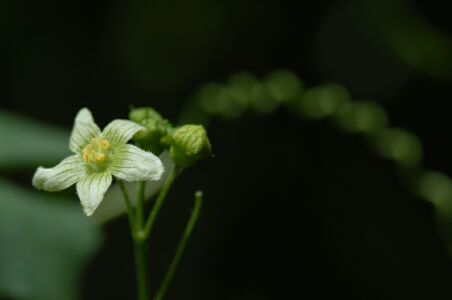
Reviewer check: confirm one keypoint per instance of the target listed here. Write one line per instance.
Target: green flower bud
(155, 137)
(189, 144)
(144, 113)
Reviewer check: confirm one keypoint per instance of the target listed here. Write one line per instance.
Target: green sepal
(155, 137)
(189, 144)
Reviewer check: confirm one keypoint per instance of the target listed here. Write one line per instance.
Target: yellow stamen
(96, 151)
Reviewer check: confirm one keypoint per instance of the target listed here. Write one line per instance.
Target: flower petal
(91, 190)
(60, 177)
(131, 163)
(121, 131)
(83, 131)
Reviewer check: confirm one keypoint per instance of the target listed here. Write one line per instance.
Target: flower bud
(189, 144)
(155, 137)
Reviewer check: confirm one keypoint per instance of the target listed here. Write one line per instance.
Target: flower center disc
(96, 152)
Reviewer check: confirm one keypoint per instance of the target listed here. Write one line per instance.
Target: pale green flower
(97, 157)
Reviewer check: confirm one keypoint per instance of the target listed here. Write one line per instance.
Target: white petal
(131, 163)
(91, 190)
(115, 205)
(60, 177)
(121, 131)
(83, 131)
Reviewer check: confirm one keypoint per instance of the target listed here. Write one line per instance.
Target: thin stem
(140, 246)
(160, 199)
(128, 206)
(140, 233)
(140, 204)
(181, 247)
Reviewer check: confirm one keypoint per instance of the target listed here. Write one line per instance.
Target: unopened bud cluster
(155, 137)
(187, 144)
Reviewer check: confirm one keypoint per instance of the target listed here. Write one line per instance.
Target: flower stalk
(140, 232)
(141, 267)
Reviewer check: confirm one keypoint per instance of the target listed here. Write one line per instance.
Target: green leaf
(26, 143)
(44, 244)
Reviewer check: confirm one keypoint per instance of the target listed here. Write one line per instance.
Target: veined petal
(131, 163)
(121, 131)
(60, 177)
(83, 131)
(91, 190)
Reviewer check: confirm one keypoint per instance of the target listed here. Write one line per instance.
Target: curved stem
(181, 247)
(160, 199)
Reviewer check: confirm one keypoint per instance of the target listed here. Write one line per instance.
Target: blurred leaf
(44, 245)
(261, 99)
(365, 117)
(323, 101)
(399, 145)
(284, 86)
(436, 188)
(26, 143)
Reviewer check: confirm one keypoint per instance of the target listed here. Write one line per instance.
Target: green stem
(141, 264)
(140, 231)
(181, 247)
(128, 206)
(160, 199)
(141, 269)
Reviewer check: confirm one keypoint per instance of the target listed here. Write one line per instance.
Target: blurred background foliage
(293, 206)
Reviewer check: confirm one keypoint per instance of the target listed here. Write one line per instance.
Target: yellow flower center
(96, 151)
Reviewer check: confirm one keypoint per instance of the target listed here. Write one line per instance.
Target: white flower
(97, 157)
